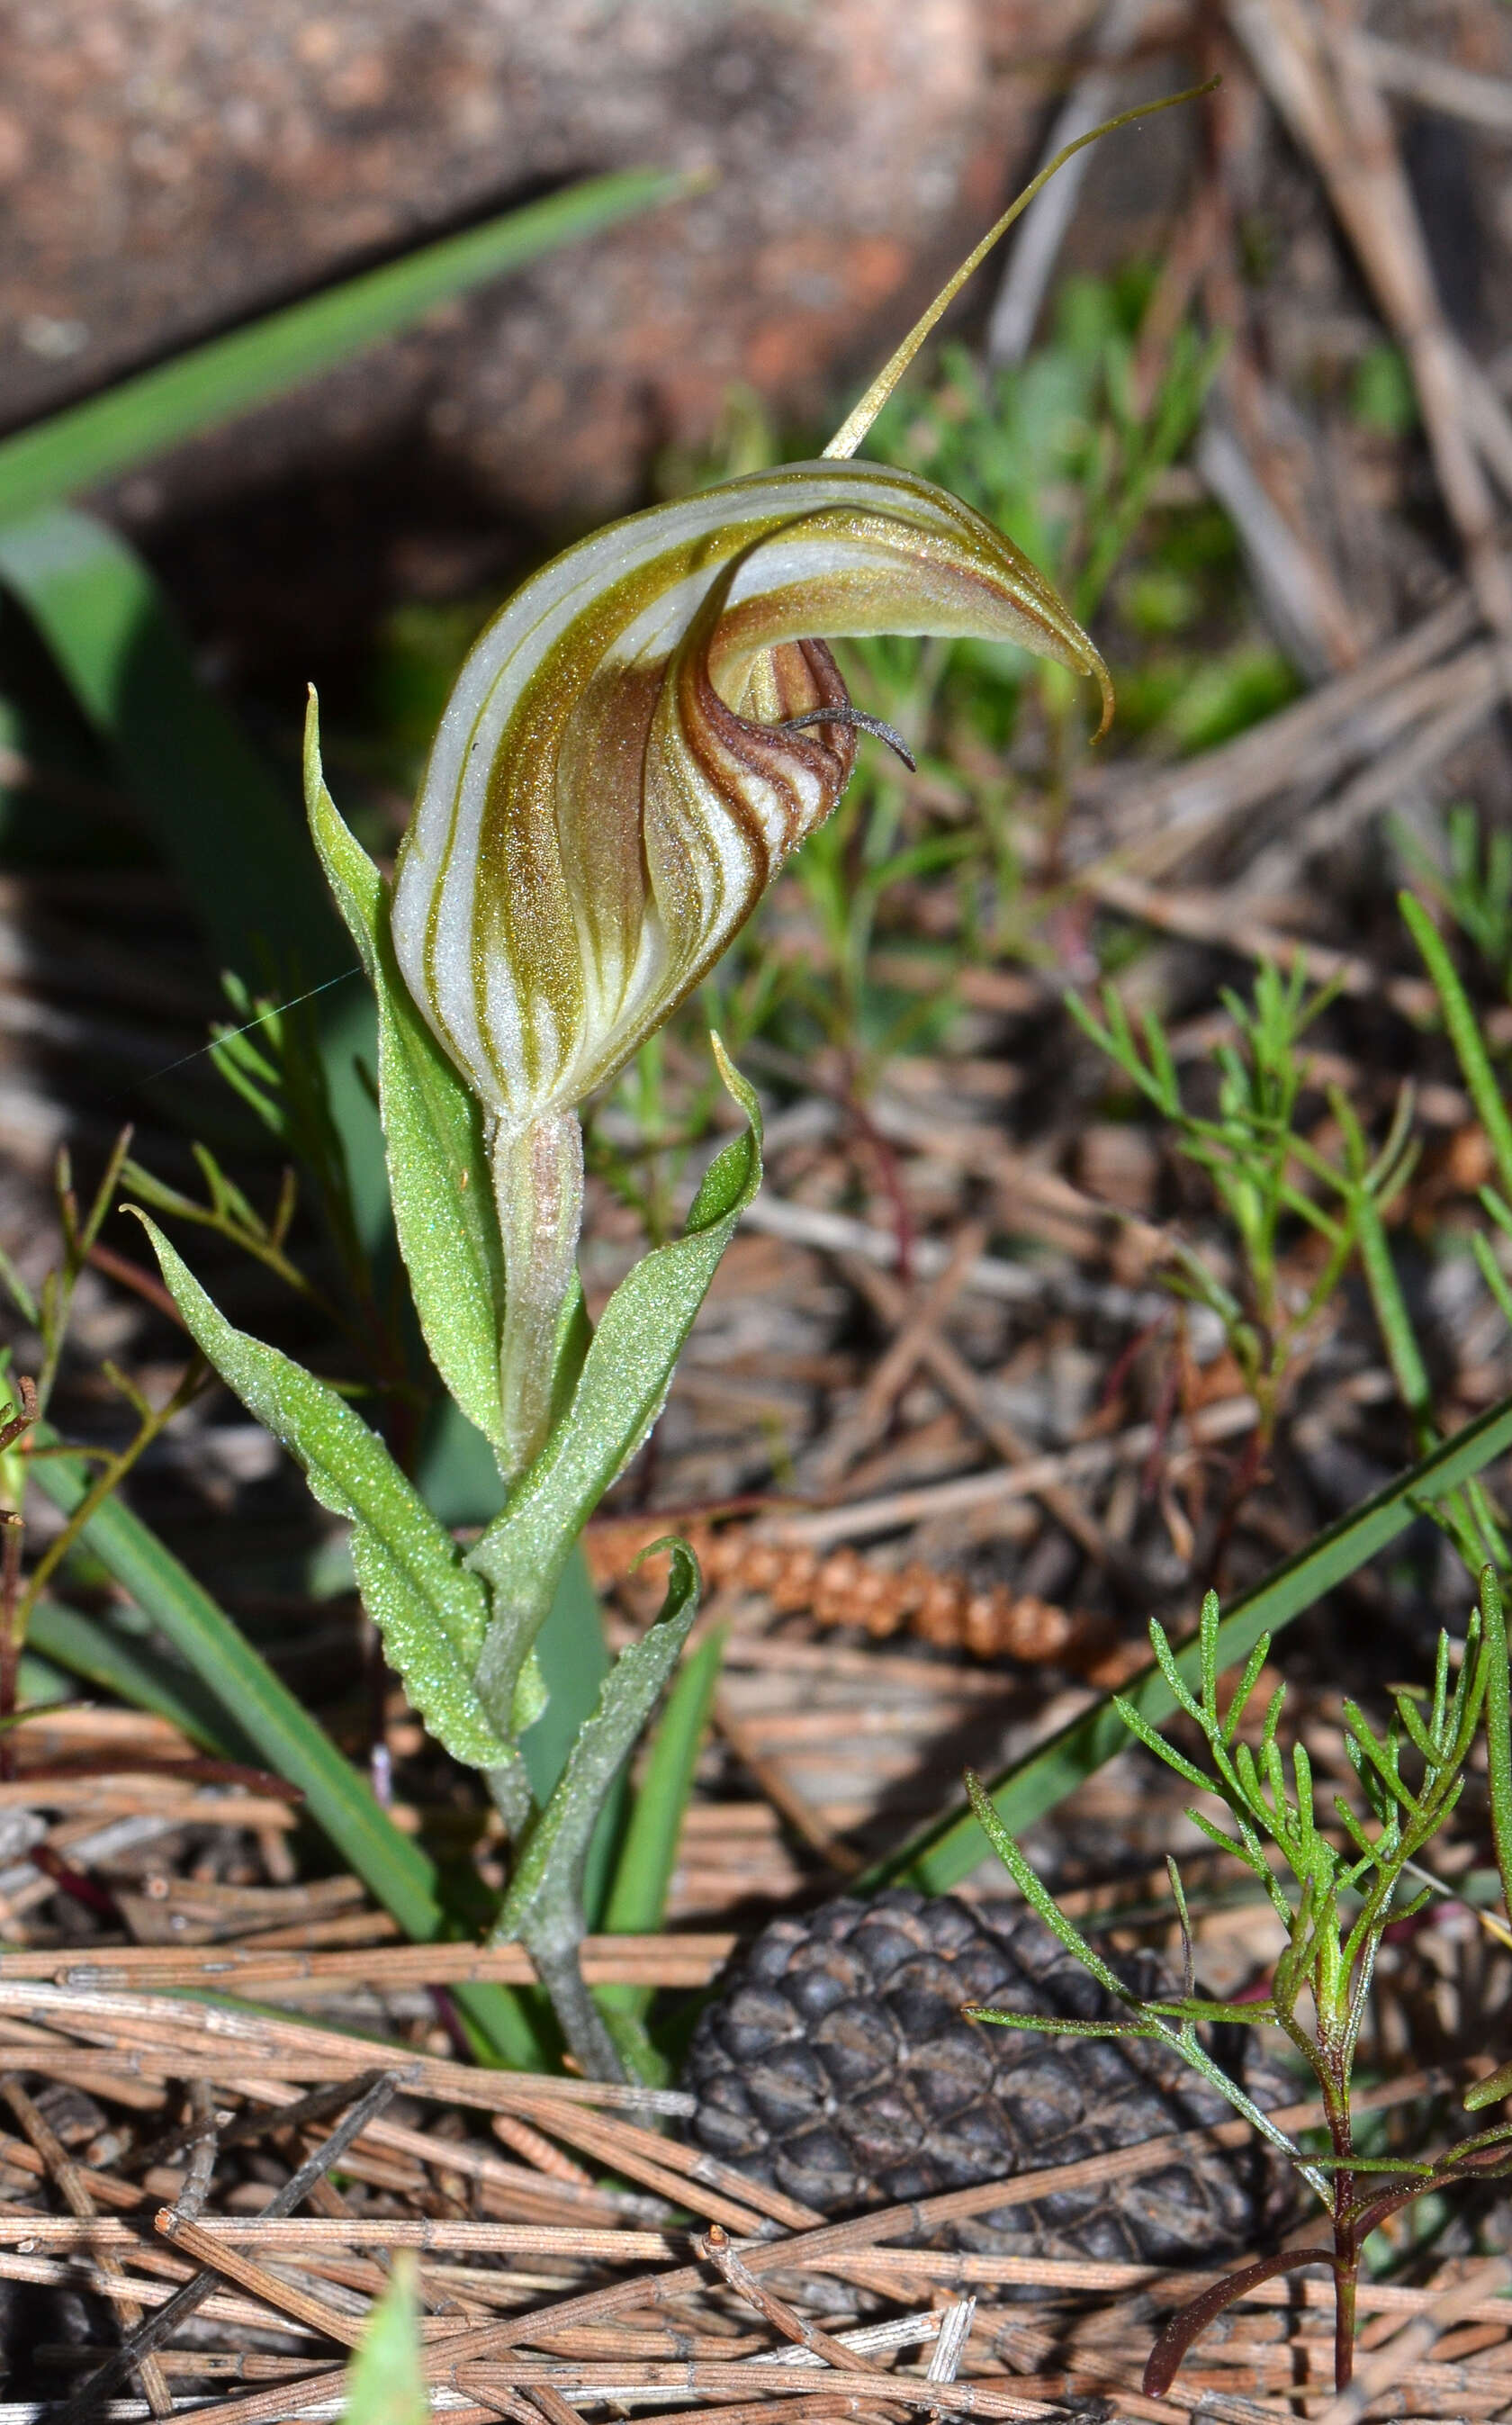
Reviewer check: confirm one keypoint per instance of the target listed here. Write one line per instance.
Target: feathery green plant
(1263, 1171)
(1344, 1875)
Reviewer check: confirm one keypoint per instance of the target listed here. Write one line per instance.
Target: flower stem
(538, 1185)
(552, 1941)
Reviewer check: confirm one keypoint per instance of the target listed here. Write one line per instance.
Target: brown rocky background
(168, 170)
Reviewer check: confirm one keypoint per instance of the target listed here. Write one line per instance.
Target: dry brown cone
(846, 1588)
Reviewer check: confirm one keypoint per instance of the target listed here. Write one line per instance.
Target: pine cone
(835, 2064)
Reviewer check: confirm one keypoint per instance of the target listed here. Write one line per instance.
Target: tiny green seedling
(1263, 1169)
(1343, 1875)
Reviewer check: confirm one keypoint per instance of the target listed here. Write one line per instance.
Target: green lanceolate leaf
(430, 1611)
(546, 1890)
(438, 1166)
(621, 1391)
(143, 416)
(939, 1856)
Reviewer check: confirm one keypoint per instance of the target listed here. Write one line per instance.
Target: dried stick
(961, 1383)
(913, 1326)
(955, 2332)
(784, 1798)
(150, 2336)
(786, 2320)
(75, 2195)
(1088, 1461)
(1337, 115)
(334, 2323)
(1404, 2352)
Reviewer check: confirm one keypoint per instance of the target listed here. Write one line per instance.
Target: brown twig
(156, 2330)
(74, 2190)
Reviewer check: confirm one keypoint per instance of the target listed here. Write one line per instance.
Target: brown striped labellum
(611, 792)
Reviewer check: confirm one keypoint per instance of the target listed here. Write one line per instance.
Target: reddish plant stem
(9, 1636)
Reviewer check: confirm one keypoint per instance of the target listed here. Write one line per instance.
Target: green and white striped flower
(612, 788)
(635, 746)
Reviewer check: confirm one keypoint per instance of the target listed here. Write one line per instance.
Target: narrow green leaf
(547, 1886)
(1037, 1895)
(1165, 1661)
(1464, 1035)
(244, 864)
(438, 1180)
(94, 1650)
(1140, 1727)
(1245, 1685)
(247, 870)
(637, 1898)
(144, 415)
(941, 1856)
(1498, 1726)
(1491, 2090)
(430, 1610)
(1052, 2028)
(387, 2382)
(395, 1871)
(623, 1388)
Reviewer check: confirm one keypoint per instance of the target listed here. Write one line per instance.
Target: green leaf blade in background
(210, 384)
(98, 1655)
(636, 1902)
(942, 1855)
(214, 811)
(429, 1609)
(216, 817)
(286, 1736)
(1464, 1035)
(439, 1178)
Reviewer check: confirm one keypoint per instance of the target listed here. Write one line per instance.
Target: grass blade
(637, 1897)
(98, 1655)
(247, 870)
(395, 1871)
(1498, 1726)
(1464, 1035)
(210, 384)
(942, 1854)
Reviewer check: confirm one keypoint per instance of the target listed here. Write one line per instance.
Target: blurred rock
(168, 170)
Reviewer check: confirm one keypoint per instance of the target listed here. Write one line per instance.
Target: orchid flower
(635, 746)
